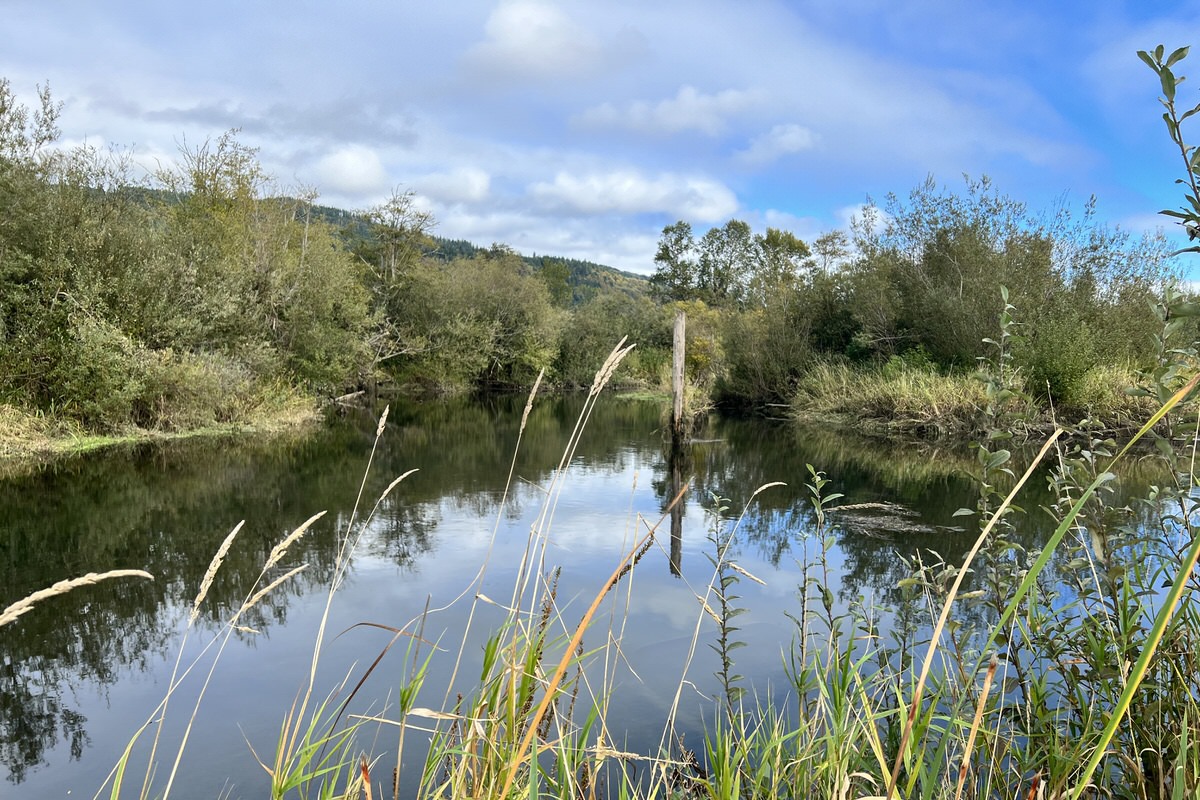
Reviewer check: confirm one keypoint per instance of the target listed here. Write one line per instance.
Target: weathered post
(678, 431)
(677, 385)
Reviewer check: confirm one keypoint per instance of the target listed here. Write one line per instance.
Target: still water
(83, 671)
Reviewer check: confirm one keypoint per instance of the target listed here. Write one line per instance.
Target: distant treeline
(204, 292)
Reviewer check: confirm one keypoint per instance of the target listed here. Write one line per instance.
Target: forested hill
(585, 279)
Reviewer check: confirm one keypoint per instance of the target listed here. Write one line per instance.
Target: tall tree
(779, 258)
(726, 259)
(675, 275)
(831, 249)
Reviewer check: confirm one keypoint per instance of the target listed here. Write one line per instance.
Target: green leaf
(998, 458)
(1167, 78)
(1144, 56)
(963, 512)
(1184, 309)
(1177, 56)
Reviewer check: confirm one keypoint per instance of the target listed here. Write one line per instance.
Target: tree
(726, 259)
(557, 277)
(674, 278)
(397, 234)
(831, 249)
(930, 275)
(779, 257)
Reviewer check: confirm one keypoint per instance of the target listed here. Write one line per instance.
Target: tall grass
(980, 679)
(907, 399)
(919, 400)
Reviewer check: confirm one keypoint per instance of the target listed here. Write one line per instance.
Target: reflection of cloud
(630, 192)
(782, 140)
(688, 110)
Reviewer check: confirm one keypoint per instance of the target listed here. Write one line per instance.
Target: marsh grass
(921, 401)
(910, 399)
(1037, 691)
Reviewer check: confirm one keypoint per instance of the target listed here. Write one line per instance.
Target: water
(83, 671)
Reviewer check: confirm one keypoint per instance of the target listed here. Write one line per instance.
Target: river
(83, 671)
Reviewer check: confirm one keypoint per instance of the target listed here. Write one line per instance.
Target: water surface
(79, 674)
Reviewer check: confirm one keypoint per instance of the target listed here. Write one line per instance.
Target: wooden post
(677, 384)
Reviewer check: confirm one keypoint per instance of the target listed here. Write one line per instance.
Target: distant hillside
(585, 278)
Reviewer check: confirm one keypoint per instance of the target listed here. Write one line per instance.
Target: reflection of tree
(166, 509)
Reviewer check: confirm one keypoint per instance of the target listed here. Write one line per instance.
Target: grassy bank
(923, 402)
(29, 438)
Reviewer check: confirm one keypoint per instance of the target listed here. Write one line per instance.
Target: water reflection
(165, 509)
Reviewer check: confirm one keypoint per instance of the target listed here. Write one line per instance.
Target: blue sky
(582, 128)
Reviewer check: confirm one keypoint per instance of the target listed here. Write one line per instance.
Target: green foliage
(768, 350)
(725, 581)
(1189, 214)
(675, 276)
(478, 322)
(557, 277)
(926, 277)
(596, 326)
(165, 307)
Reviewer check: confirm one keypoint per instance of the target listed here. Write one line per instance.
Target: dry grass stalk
(25, 604)
(393, 485)
(743, 571)
(211, 572)
(280, 550)
(605, 373)
(532, 394)
(263, 592)
(975, 725)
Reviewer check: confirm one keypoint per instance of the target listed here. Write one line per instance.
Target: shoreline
(28, 441)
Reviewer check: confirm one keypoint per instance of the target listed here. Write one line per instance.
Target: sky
(581, 128)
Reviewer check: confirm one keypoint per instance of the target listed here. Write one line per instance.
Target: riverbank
(27, 438)
(907, 401)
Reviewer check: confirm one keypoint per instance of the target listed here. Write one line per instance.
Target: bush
(186, 390)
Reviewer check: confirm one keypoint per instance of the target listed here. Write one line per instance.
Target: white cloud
(782, 140)
(464, 185)
(630, 192)
(689, 109)
(351, 170)
(536, 39)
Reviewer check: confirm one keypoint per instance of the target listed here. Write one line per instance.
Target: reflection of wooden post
(676, 515)
(677, 385)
